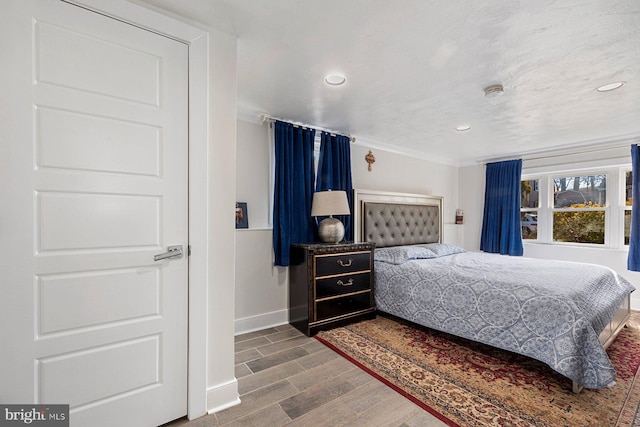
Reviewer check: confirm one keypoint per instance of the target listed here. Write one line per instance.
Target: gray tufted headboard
(392, 219)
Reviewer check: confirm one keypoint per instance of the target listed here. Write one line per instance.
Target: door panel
(86, 221)
(59, 47)
(108, 184)
(126, 367)
(116, 146)
(125, 294)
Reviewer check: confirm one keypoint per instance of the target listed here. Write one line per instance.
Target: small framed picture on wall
(242, 220)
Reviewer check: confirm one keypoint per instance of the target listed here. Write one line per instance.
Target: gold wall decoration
(370, 158)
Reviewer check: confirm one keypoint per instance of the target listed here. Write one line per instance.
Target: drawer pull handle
(341, 283)
(345, 264)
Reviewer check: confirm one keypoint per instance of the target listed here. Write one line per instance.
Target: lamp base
(331, 230)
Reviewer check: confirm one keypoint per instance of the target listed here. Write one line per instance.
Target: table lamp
(329, 203)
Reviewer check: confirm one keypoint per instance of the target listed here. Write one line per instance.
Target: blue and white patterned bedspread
(552, 311)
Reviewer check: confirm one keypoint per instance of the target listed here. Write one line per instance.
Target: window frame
(623, 201)
(555, 209)
(532, 210)
(614, 209)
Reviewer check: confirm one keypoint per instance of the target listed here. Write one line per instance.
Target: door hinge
(188, 250)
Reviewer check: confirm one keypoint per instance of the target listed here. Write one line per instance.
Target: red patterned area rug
(469, 384)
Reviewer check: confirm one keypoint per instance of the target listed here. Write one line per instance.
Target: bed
(564, 314)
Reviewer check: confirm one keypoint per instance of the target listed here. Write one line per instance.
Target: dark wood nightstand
(330, 285)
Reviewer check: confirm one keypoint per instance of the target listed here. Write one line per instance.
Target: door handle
(174, 251)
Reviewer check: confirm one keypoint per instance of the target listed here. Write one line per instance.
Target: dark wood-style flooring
(288, 379)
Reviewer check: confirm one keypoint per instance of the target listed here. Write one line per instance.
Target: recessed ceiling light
(609, 86)
(335, 79)
(463, 128)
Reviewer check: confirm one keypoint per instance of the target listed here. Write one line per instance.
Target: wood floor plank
(251, 335)
(357, 376)
(269, 376)
(392, 411)
(307, 385)
(424, 419)
(330, 369)
(314, 346)
(241, 370)
(334, 414)
(363, 398)
(252, 343)
(247, 355)
(270, 416)
(283, 335)
(318, 358)
(271, 348)
(314, 397)
(285, 356)
(257, 400)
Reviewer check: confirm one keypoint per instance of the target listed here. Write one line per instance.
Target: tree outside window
(579, 209)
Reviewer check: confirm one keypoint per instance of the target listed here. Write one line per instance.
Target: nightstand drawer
(343, 284)
(328, 265)
(342, 306)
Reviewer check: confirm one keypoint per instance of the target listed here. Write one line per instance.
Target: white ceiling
(416, 70)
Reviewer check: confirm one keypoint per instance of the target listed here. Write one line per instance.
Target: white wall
(262, 289)
(471, 194)
(400, 173)
(253, 158)
(221, 193)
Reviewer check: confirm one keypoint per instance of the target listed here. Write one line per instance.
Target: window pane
(529, 193)
(579, 227)
(627, 226)
(628, 199)
(628, 187)
(529, 223)
(580, 191)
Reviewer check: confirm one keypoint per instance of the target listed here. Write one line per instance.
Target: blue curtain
(293, 189)
(334, 172)
(501, 231)
(633, 259)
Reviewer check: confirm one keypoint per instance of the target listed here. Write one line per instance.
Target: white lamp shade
(326, 203)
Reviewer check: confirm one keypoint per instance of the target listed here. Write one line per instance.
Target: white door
(95, 145)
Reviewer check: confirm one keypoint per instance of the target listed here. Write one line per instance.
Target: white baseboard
(222, 396)
(261, 321)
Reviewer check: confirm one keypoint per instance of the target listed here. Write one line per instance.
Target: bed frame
(395, 219)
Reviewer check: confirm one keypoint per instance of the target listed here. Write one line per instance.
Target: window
(579, 204)
(529, 203)
(585, 208)
(627, 206)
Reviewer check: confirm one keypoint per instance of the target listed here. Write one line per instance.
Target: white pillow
(443, 249)
(402, 254)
